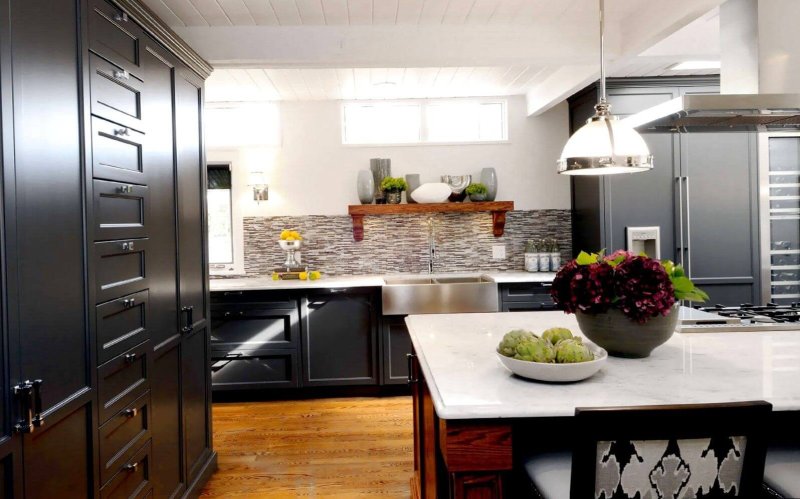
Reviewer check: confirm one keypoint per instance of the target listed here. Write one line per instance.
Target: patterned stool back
(670, 452)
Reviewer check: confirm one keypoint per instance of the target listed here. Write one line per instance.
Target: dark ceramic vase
(393, 197)
(622, 337)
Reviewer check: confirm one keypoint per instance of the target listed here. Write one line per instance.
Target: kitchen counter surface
(266, 283)
(457, 356)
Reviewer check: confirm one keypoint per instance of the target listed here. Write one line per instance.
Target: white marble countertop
(457, 356)
(266, 283)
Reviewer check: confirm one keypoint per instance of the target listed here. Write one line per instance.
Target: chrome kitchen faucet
(431, 243)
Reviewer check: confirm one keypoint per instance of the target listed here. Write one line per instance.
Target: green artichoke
(556, 334)
(572, 350)
(536, 350)
(508, 345)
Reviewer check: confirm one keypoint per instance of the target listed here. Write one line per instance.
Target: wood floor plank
(322, 448)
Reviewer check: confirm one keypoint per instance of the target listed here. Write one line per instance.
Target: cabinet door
(191, 201)
(195, 402)
(159, 171)
(721, 221)
(45, 243)
(339, 338)
(165, 394)
(396, 348)
(193, 278)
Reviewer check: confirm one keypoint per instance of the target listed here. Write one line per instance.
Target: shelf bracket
(358, 227)
(498, 223)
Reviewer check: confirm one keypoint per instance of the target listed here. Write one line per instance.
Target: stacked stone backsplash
(399, 243)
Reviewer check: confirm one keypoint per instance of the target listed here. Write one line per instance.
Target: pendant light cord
(602, 53)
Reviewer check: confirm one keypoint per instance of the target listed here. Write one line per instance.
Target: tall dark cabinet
(103, 362)
(702, 193)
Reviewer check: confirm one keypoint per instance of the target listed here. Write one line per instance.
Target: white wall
(312, 173)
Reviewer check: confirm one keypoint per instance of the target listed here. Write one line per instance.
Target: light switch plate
(498, 252)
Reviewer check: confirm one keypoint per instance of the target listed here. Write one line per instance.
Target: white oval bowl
(432, 192)
(557, 373)
(287, 245)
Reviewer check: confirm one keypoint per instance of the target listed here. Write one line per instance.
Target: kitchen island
(471, 413)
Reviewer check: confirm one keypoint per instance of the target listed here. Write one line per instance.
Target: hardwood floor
(331, 448)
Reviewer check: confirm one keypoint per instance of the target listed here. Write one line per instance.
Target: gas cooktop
(745, 317)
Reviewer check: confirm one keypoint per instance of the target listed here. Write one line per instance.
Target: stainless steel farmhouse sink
(439, 295)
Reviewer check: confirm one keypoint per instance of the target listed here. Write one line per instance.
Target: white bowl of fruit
(290, 240)
(555, 356)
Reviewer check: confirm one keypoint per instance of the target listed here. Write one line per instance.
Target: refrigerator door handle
(679, 181)
(688, 229)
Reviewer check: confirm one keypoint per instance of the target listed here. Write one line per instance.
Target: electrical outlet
(498, 252)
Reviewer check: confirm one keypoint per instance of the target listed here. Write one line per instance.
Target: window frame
(423, 116)
(223, 267)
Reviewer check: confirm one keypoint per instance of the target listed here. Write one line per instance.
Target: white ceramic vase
(489, 179)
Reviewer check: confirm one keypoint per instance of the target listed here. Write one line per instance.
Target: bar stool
(664, 451)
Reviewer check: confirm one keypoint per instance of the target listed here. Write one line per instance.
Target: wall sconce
(259, 185)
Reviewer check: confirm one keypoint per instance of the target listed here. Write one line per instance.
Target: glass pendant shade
(605, 146)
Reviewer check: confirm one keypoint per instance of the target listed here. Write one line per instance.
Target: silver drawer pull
(121, 74)
(127, 246)
(121, 17)
(131, 413)
(121, 132)
(131, 467)
(130, 358)
(129, 303)
(125, 189)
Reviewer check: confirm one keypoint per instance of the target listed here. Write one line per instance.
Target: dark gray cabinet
(702, 193)
(92, 182)
(339, 345)
(396, 346)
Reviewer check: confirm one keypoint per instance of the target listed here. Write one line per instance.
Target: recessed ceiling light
(691, 65)
(384, 84)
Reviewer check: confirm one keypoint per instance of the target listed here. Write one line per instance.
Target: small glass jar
(544, 261)
(555, 261)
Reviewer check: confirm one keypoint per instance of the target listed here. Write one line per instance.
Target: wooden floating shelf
(497, 208)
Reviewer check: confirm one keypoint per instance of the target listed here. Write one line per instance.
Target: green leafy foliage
(684, 287)
(394, 184)
(477, 188)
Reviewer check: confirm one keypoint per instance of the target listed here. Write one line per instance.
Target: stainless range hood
(721, 113)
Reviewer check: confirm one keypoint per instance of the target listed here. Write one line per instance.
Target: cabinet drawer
(121, 380)
(265, 299)
(116, 152)
(121, 324)
(253, 327)
(132, 481)
(243, 369)
(122, 435)
(120, 268)
(115, 36)
(120, 210)
(116, 94)
(538, 292)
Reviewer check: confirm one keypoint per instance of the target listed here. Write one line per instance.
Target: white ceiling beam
(386, 46)
(648, 25)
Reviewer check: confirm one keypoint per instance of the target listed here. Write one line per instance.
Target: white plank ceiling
(367, 83)
(368, 12)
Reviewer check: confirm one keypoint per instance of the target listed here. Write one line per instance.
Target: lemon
(275, 276)
(314, 275)
(289, 238)
(303, 276)
(285, 234)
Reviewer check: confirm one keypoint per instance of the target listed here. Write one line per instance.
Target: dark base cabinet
(292, 339)
(397, 347)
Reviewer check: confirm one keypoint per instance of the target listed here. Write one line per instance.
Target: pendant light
(604, 145)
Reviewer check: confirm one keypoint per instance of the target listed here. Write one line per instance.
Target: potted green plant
(626, 303)
(477, 191)
(393, 187)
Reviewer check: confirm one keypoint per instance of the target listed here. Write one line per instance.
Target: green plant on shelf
(393, 184)
(477, 188)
